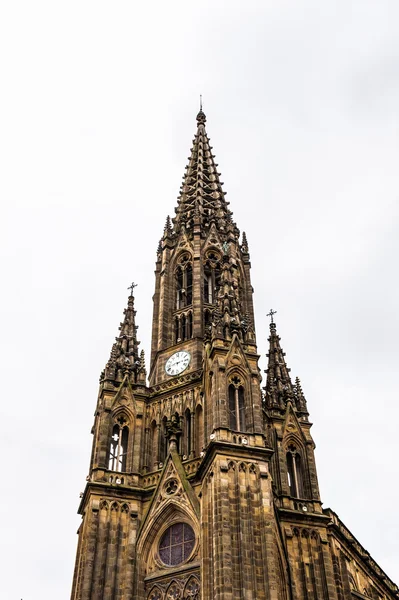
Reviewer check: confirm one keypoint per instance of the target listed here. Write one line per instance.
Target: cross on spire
(200, 101)
(131, 287)
(270, 314)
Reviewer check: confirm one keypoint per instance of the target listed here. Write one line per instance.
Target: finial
(167, 230)
(201, 118)
(131, 287)
(270, 314)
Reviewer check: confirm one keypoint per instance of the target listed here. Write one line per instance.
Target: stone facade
(202, 484)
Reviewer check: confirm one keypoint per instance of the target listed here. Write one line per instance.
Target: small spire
(244, 243)
(142, 360)
(300, 397)
(168, 228)
(124, 353)
(279, 388)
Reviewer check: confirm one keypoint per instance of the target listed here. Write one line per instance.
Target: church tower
(203, 485)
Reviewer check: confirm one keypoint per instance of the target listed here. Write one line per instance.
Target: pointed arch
(155, 593)
(192, 588)
(183, 280)
(118, 448)
(236, 403)
(174, 591)
(153, 529)
(211, 277)
(297, 475)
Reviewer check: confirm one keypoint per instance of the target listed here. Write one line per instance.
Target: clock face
(177, 363)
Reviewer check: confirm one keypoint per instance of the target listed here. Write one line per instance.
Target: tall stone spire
(124, 356)
(201, 195)
(279, 389)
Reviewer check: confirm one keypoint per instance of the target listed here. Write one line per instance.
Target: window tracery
(211, 277)
(177, 544)
(294, 472)
(236, 404)
(118, 446)
(184, 282)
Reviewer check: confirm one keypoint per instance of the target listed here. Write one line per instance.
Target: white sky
(97, 113)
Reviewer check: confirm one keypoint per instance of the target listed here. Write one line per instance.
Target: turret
(286, 417)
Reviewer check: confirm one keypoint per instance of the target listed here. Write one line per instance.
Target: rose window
(176, 544)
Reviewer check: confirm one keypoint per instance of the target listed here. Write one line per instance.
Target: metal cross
(270, 314)
(131, 287)
(200, 101)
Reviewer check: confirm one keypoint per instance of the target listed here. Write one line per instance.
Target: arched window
(211, 278)
(183, 327)
(118, 448)
(189, 325)
(179, 287)
(236, 405)
(294, 472)
(184, 283)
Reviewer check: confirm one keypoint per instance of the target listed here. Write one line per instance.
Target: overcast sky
(97, 114)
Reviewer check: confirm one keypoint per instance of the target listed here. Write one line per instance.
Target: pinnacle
(168, 227)
(244, 243)
(124, 353)
(300, 399)
(279, 388)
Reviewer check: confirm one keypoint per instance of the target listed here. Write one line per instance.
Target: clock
(178, 362)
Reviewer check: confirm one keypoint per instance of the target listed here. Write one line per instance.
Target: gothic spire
(300, 399)
(244, 243)
(201, 195)
(124, 356)
(279, 388)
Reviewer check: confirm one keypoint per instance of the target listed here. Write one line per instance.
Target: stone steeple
(202, 199)
(199, 486)
(279, 389)
(124, 358)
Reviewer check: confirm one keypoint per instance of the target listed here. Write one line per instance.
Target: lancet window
(295, 472)
(184, 283)
(118, 446)
(236, 405)
(183, 327)
(211, 278)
